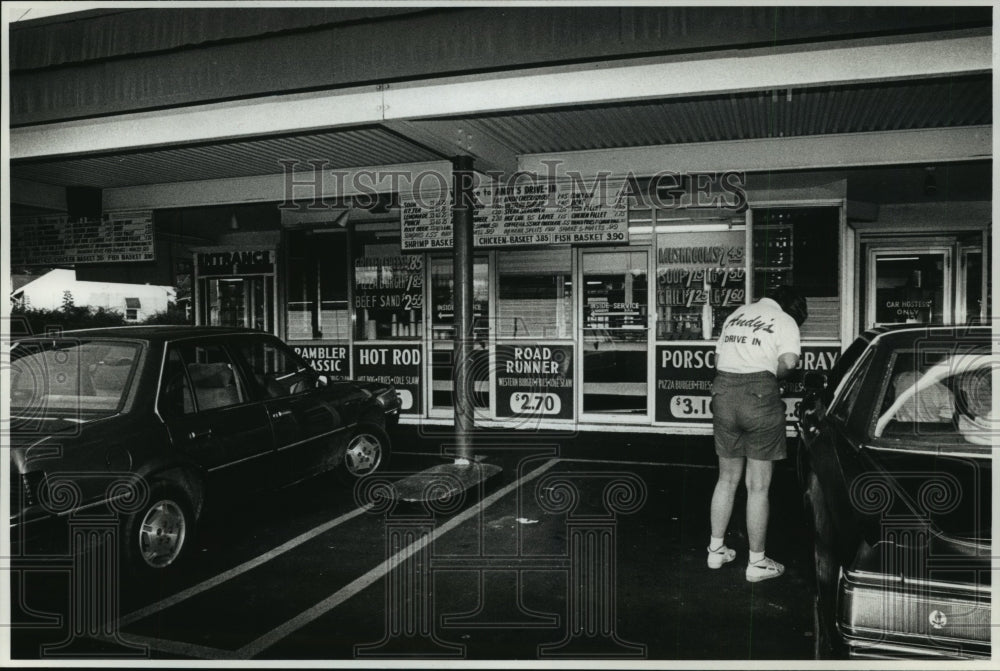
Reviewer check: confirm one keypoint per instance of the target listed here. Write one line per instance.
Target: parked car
(141, 424)
(895, 462)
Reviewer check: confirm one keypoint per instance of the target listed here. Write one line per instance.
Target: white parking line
(214, 581)
(621, 462)
(171, 647)
(340, 596)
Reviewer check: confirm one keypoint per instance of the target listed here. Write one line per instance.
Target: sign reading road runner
(535, 380)
(520, 215)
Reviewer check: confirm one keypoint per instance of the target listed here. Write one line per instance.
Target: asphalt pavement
(585, 546)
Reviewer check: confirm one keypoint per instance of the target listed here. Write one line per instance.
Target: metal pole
(462, 214)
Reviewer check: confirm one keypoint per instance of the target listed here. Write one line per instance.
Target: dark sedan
(140, 425)
(895, 463)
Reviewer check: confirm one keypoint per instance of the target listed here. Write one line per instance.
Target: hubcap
(161, 534)
(364, 454)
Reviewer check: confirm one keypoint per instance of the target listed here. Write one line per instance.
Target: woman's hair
(791, 302)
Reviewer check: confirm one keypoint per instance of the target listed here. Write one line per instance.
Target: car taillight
(891, 611)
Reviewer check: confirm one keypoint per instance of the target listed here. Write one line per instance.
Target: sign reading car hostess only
(684, 375)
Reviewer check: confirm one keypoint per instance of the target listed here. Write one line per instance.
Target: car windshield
(72, 377)
(938, 399)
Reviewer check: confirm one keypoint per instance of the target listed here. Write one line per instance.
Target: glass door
(246, 302)
(909, 286)
(615, 334)
(442, 319)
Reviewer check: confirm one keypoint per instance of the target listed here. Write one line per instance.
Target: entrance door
(909, 285)
(246, 302)
(615, 335)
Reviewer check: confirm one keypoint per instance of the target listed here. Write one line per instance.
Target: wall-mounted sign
(684, 375)
(534, 380)
(330, 360)
(227, 262)
(398, 365)
(117, 237)
(525, 214)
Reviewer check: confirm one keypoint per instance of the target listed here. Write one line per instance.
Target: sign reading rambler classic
(235, 262)
(530, 213)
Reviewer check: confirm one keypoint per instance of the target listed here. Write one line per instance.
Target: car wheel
(826, 571)
(157, 536)
(367, 451)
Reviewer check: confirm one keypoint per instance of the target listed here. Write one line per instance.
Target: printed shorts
(748, 416)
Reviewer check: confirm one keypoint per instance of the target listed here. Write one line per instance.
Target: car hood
(949, 494)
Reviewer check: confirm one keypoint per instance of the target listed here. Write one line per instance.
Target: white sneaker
(765, 569)
(724, 555)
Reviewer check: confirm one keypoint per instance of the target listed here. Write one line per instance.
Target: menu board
(535, 380)
(398, 365)
(684, 375)
(519, 215)
(389, 291)
(116, 237)
(701, 269)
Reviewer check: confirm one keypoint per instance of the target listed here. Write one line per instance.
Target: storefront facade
(603, 273)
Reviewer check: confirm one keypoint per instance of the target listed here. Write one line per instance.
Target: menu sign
(331, 360)
(696, 269)
(523, 214)
(535, 381)
(55, 240)
(398, 365)
(393, 284)
(684, 375)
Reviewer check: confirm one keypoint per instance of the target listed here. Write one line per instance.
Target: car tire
(156, 538)
(826, 573)
(367, 450)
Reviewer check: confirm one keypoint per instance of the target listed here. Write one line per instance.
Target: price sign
(536, 403)
(535, 380)
(691, 407)
(399, 365)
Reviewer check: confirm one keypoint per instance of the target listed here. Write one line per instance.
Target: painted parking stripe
(170, 647)
(214, 581)
(340, 596)
(635, 463)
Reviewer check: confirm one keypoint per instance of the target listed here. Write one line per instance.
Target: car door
(306, 420)
(211, 417)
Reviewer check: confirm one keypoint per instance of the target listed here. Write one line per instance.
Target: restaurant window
(800, 247)
(317, 285)
(388, 287)
(700, 279)
(535, 294)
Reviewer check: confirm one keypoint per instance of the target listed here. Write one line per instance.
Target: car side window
(212, 375)
(844, 405)
(176, 397)
(276, 370)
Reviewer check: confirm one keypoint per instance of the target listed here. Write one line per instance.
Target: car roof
(159, 333)
(939, 333)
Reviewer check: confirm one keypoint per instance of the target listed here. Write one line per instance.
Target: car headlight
(388, 399)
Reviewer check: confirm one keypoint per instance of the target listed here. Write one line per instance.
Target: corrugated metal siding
(343, 149)
(907, 105)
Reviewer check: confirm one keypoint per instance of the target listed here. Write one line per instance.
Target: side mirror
(322, 380)
(814, 382)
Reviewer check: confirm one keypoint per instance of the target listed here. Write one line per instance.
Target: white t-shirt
(754, 336)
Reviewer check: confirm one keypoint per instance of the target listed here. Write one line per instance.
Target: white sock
(756, 557)
(716, 543)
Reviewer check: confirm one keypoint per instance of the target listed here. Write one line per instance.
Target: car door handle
(278, 414)
(194, 435)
